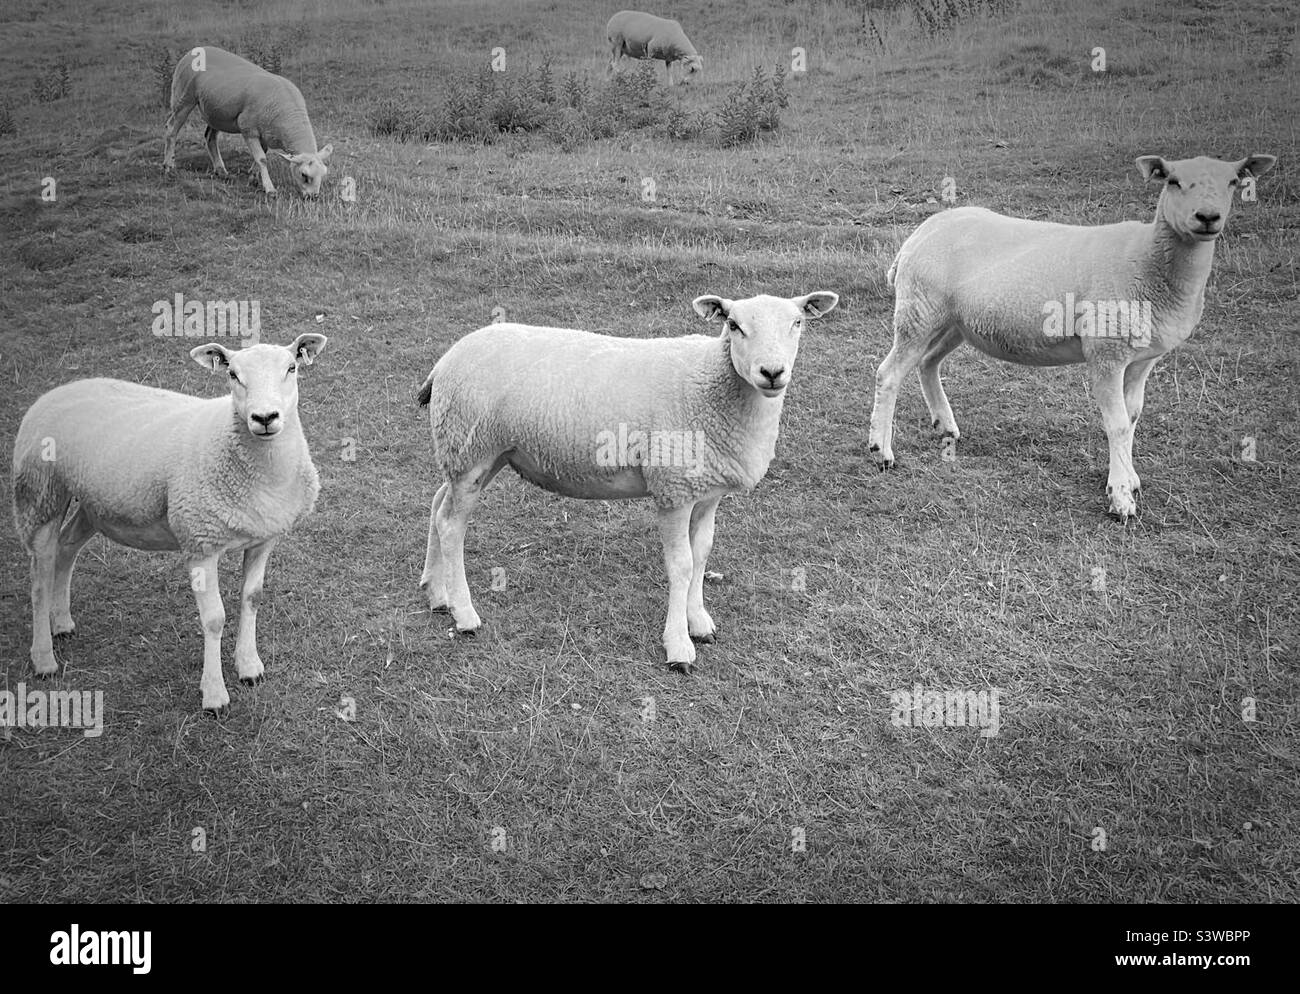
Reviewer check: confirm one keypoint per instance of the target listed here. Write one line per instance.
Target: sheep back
(555, 396)
(157, 469)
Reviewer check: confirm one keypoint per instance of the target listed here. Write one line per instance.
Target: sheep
(159, 470)
(684, 421)
(235, 96)
(1115, 296)
(645, 36)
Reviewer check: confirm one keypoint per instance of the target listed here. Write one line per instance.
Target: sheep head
(764, 332)
(309, 169)
(263, 380)
(1197, 194)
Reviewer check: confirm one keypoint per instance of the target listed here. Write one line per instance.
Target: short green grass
(1121, 710)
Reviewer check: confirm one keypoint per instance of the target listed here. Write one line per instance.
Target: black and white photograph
(727, 452)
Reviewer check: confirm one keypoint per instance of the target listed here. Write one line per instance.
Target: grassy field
(528, 763)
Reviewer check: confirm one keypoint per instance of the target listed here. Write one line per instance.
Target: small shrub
(8, 126)
(269, 56)
(161, 66)
(545, 84)
(752, 108)
(680, 125)
(576, 92)
(54, 84)
(630, 101)
(936, 17)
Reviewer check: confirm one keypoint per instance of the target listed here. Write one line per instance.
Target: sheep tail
(426, 391)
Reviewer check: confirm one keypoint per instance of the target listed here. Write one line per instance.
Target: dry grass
(1120, 710)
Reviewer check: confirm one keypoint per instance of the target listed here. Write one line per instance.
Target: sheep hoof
(47, 674)
(682, 667)
(464, 633)
(704, 639)
(218, 713)
(251, 681)
(882, 463)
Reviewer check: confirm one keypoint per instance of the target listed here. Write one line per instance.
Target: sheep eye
(293, 369)
(1232, 182)
(1174, 182)
(733, 326)
(234, 376)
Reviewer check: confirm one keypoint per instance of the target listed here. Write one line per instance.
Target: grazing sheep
(1114, 296)
(682, 420)
(235, 96)
(156, 470)
(645, 36)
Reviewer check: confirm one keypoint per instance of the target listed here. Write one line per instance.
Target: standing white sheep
(1115, 296)
(240, 98)
(153, 469)
(645, 36)
(681, 420)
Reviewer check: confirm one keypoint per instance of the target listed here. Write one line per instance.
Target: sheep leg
(44, 548)
(248, 664)
(668, 69)
(699, 625)
(452, 519)
(180, 113)
(1122, 483)
(1135, 386)
(72, 538)
(258, 153)
(674, 532)
(615, 53)
(212, 617)
(433, 579)
(941, 417)
(910, 347)
(214, 153)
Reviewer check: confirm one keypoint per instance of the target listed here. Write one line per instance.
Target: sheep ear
(1152, 167)
(325, 153)
(1255, 165)
(710, 307)
(307, 346)
(818, 303)
(211, 357)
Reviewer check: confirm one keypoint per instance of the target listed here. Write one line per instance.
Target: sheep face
(309, 169)
(1198, 193)
(694, 67)
(764, 333)
(263, 380)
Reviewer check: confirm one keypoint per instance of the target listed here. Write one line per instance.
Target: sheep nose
(1208, 218)
(265, 419)
(773, 374)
